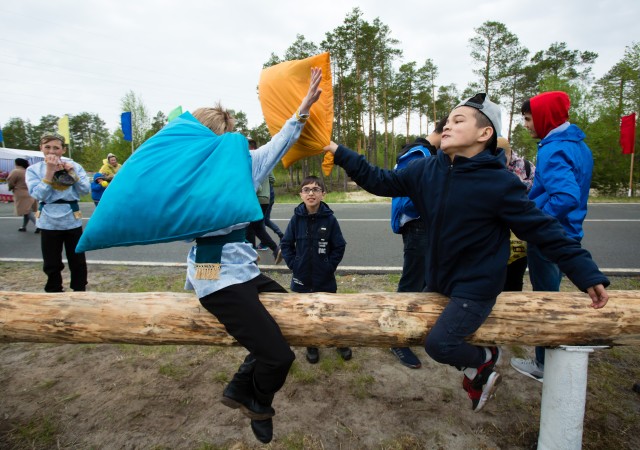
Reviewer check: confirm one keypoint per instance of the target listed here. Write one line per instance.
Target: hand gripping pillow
(282, 87)
(183, 182)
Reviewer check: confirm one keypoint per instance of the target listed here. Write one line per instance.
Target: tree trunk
(365, 319)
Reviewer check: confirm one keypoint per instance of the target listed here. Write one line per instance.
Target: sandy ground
(167, 397)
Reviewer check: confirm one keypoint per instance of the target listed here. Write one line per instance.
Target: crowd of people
(472, 214)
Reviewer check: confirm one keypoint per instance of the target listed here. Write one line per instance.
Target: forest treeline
(378, 96)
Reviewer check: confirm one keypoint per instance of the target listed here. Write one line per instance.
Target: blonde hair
(216, 118)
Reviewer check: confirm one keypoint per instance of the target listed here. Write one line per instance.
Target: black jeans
(414, 238)
(51, 242)
(239, 309)
(259, 230)
(515, 275)
(446, 343)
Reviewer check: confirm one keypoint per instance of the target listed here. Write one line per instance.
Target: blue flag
(125, 121)
(1, 137)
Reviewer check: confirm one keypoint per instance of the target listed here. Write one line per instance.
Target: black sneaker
(23, 229)
(407, 357)
(483, 386)
(313, 355)
(345, 353)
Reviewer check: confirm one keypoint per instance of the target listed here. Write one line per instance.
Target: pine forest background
(378, 96)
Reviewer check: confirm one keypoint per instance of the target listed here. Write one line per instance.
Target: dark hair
(252, 144)
(483, 121)
(22, 162)
(526, 107)
(313, 179)
(440, 125)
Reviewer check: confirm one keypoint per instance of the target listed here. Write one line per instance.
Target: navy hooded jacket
(313, 247)
(469, 205)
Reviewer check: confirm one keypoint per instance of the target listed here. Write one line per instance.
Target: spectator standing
(313, 247)
(58, 185)
(24, 204)
(406, 220)
(110, 167)
(560, 189)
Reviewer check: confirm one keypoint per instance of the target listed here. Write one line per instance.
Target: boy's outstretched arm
(599, 296)
(264, 159)
(313, 94)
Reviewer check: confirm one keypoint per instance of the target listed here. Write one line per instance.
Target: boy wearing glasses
(313, 247)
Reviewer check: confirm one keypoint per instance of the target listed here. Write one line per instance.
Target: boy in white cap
(469, 201)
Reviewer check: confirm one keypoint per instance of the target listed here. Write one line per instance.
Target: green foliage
(140, 122)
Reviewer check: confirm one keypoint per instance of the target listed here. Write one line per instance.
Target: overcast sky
(70, 56)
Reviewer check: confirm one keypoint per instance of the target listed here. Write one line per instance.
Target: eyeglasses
(315, 190)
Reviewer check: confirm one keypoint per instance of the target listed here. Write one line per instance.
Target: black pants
(259, 230)
(51, 242)
(515, 275)
(244, 317)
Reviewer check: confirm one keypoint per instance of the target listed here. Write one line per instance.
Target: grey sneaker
(528, 367)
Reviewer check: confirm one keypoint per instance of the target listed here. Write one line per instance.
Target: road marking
(342, 269)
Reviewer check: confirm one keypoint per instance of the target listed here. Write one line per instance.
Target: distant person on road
(110, 167)
(405, 220)
(58, 186)
(24, 204)
(98, 186)
(257, 228)
(470, 202)
(313, 247)
(267, 215)
(517, 265)
(232, 292)
(560, 189)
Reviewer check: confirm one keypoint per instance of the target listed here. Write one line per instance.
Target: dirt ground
(167, 397)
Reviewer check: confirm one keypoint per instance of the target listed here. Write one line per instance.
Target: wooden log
(366, 319)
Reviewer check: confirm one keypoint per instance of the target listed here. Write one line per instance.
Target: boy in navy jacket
(313, 247)
(469, 202)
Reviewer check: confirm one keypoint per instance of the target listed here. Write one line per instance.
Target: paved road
(612, 234)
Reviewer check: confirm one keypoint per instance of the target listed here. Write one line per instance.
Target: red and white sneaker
(483, 386)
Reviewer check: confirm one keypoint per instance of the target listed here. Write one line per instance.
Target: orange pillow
(327, 164)
(282, 87)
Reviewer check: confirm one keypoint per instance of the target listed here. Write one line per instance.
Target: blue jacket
(96, 188)
(563, 177)
(313, 247)
(403, 205)
(468, 206)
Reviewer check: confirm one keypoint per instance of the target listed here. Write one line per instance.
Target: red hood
(549, 110)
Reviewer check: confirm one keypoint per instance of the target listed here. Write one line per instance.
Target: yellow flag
(63, 128)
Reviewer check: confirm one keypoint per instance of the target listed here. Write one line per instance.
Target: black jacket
(469, 205)
(313, 247)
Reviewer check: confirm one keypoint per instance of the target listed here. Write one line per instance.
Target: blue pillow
(183, 182)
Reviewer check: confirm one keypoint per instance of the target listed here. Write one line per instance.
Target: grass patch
(221, 377)
(301, 374)
(47, 384)
(360, 384)
(173, 371)
(37, 433)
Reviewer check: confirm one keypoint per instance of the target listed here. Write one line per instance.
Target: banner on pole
(63, 128)
(125, 122)
(174, 113)
(628, 134)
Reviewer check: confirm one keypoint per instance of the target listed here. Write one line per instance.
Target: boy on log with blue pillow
(222, 270)
(469, 202)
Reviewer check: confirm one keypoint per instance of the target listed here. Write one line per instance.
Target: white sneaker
(528, 367)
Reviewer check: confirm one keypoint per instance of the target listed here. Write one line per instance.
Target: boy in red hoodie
(560, 189)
